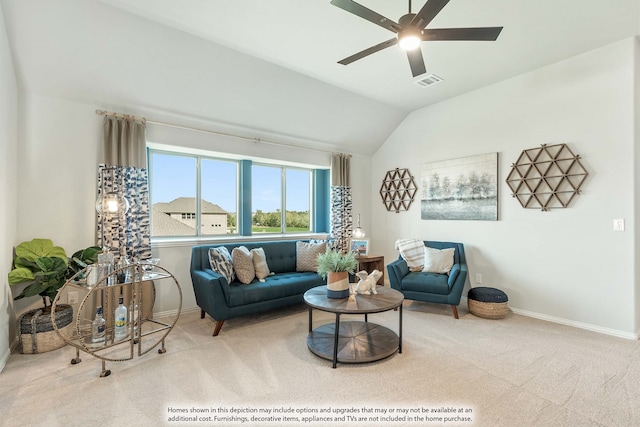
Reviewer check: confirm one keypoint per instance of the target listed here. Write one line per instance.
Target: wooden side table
(370, 263)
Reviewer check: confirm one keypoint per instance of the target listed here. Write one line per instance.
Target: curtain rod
(145, 121)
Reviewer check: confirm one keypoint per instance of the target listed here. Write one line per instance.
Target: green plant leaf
(20, 275)
(34, 289)
(335, 261)
(38, 248)
(88, 255)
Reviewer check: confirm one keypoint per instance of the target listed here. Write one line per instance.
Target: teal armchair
(432, 287)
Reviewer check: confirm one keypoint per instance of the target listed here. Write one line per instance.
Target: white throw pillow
(438, 260)
(260, 263)
(243, 264)
(412, 251)
(307, 254)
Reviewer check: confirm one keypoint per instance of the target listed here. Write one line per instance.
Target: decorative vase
(337, 284)
(37, 334)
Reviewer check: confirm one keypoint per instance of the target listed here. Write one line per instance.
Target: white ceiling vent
(430, 80)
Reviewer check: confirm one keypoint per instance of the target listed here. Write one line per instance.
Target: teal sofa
(222, 300)
(432, 287)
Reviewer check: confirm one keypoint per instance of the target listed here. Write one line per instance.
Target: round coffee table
(354, 341)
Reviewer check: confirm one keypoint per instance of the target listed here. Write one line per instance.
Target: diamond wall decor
(547, 177)
(398, 190)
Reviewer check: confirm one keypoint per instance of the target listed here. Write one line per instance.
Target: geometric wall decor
(398, 190)
(547, 177)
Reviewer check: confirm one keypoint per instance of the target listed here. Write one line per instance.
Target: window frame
(318, 194)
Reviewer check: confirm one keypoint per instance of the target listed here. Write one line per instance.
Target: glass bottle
(105, 266)
(98, 327)
(134, 315)
(122, 269)
(120, 319)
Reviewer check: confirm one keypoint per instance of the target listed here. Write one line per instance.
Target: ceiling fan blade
(482, 34)
(368, 14)
(366, 52)
(416, 62)
(429, 11)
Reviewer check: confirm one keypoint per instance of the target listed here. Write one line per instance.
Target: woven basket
(488, 310)
(37, 334)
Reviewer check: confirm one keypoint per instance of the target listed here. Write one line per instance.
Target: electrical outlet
(618, 225)
(72, 298)
(478, 278)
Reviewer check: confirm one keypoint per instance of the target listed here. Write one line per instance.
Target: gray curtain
(124, 171)
(341, 201)
(124, 142)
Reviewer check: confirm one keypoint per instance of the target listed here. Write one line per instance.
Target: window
(176, 180)
(282, 198)
(271, 209)
(297, 200)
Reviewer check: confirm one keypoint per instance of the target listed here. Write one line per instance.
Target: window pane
(219, 204)
(173, 194)
(266, 199)
(298, 200)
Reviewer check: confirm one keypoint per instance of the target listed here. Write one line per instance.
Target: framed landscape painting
(461, 189)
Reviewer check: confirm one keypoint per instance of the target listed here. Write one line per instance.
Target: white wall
(637, 179)
(91, 52)
(567, 264)
(9, 196)
(59, 151)
(73, 57)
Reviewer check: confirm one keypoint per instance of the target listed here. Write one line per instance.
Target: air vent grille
(430, 80)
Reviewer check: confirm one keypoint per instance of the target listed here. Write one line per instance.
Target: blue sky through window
(175, 176)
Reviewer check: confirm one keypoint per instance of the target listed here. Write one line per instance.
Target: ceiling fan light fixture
(409, 39)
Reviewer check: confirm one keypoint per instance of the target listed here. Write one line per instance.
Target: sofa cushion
(412, 251)
(243, 264)
(274, 287)
(307, 254)
(426, 282)
(221, 262)
(260, 263)
(438, 260)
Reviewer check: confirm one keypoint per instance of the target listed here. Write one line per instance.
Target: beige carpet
(516, 371)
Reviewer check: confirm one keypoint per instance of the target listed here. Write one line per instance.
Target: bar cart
(136, 284)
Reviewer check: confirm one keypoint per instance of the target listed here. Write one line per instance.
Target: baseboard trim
(581, 325)
(533, 314)
(169, 313)
(5, 357)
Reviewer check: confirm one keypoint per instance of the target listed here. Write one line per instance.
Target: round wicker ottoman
(489, 303)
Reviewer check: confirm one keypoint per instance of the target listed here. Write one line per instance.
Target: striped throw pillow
(412, 251)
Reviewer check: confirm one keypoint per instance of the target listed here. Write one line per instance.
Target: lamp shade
(358, 232)
(112, 203)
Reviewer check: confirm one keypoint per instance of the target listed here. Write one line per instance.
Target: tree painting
(461, 189)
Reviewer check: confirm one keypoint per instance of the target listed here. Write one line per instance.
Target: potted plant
(46, 268)
(336, 267)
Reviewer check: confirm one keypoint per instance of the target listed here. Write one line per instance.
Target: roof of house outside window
(188, 205)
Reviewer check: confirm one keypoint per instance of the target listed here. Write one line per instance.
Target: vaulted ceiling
(310, 36)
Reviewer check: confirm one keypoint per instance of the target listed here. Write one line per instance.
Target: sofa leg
(455, 311)
(216, 331)
(201, 313)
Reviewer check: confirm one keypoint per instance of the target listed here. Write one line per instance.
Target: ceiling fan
(411, 31)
